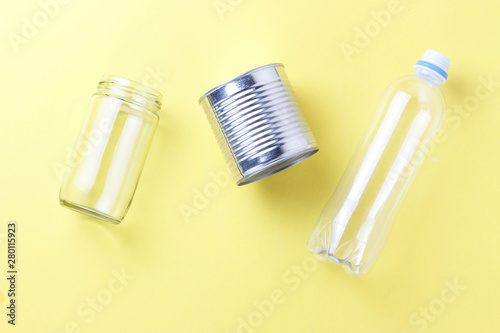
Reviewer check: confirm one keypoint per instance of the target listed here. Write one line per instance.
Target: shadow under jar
(111, 149)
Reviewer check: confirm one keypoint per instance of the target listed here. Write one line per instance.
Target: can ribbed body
(259, 124)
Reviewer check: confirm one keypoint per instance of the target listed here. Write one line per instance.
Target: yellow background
(205, 273)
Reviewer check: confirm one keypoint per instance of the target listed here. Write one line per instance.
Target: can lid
(236, 79)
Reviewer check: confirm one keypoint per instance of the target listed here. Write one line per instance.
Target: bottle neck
(429, 76)
(132, 92)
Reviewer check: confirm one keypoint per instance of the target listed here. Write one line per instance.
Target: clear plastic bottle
(357, 219)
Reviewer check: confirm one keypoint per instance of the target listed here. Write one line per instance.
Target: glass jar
(111, 149)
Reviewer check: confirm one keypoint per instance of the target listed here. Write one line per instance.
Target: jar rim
(143, 94)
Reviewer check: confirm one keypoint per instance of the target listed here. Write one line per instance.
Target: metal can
(259, 124)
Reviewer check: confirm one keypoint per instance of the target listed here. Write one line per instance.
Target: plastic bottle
(357, 219)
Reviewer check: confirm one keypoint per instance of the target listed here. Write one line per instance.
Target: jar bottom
(89, 212)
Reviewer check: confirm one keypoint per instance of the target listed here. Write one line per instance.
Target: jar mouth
(131, 91)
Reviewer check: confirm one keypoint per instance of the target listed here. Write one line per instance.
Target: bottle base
(89, 212)
(347, 264)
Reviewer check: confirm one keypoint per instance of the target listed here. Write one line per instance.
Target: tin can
(259, 124)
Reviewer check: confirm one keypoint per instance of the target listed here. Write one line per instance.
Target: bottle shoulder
(427, 94)
(413, 83)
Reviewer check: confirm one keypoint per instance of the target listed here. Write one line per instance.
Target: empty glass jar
(111, 149)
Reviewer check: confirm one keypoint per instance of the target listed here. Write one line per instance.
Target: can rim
(269, 169)
(276, 64)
